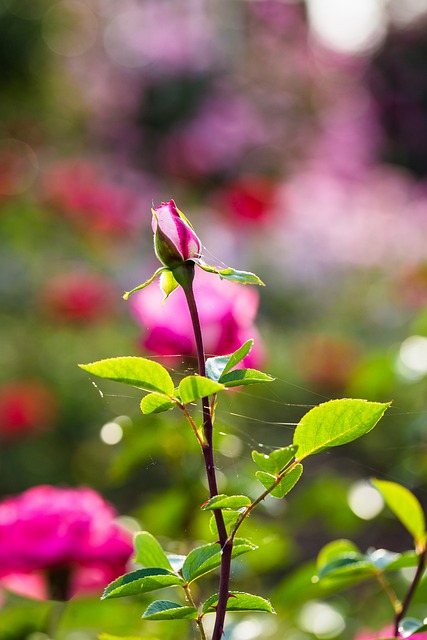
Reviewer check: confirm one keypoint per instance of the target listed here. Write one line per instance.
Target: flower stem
(411, 591)
(185, 279)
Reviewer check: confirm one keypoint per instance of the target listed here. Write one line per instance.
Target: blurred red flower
(227, 313)
(63, 532)
(90, 199)
(78, 297)
(26, 406)
(248, 199)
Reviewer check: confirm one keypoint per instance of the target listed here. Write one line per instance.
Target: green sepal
(146, 283)
(334, 423)
(206, 558)
(286, 483)
(195, 387)
(220, 365)
(138, 372)
(405, 507)
(230, 518)
(156, 403)
(276, 460)
(168, 284)
(240, 377)
(226, 502)
(167, 610)
(244, 277)
(239, 601)
(149, 552)
(141, 581)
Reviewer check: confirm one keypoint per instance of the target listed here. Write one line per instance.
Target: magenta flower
(227, 314)
(386, 632)
(50, 529)
(174, 238)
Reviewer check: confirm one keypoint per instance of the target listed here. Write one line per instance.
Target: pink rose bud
(174, 237)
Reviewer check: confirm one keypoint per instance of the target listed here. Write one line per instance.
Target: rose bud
(174, 238)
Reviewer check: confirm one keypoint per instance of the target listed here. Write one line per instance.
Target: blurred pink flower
(78, 297)
(25, 406)
(226, 127)
(54, 529)
(227, 312)
(386, 632)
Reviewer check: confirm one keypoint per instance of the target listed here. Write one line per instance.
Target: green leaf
(286, 483)
(219, 365)
(238, 355)
(240, 377)
(141, 581)
(148, 551)
(239, 601)
(335, 423)
(195, 387)
(276, 461)
(226, 502)
(167, 610)
(138, 372)
(156, 403)
(230, 518)
(244, 277)
(146, 283)
(204, 559)
(405, 507)
(409, 626)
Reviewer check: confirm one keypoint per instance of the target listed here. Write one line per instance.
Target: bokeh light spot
(111, 433)
(347, 26)
(364, 500)
(321, 619)
(411, 363)
(120, 42)
(69, 28)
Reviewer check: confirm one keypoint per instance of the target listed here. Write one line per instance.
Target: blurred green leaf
(338, 549)
(195, 387)
(167, 610)
(149, 552)
(405, 507)
(204, 559)
(226, 502)
(240, 377)
(156, 403)
(141, 581)
(138, 372)
(334, 423)
(239, 601)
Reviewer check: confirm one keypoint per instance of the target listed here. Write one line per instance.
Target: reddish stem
(208, 455)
